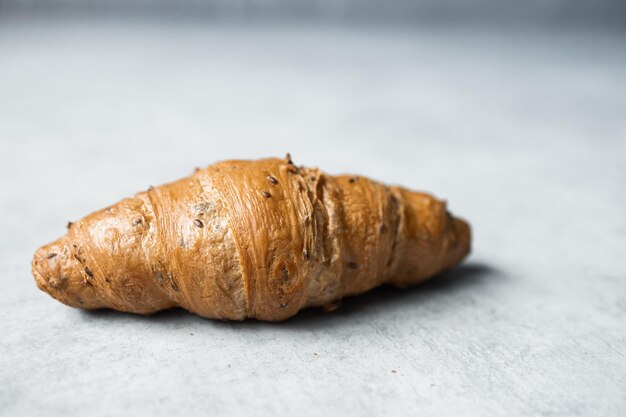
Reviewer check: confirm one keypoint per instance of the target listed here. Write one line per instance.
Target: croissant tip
(463, 238)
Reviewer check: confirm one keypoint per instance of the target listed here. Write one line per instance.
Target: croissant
(250, 239)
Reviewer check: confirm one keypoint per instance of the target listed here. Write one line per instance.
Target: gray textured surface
(523, 132)
(571, 12)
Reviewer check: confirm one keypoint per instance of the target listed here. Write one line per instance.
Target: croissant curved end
(57, 274)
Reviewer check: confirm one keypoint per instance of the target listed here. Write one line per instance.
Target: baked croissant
(250, 239)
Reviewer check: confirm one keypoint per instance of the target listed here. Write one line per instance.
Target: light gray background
(522, 130)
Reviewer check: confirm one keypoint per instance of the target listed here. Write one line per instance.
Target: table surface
(522, 131)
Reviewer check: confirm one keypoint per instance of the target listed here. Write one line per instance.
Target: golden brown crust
(250, 239)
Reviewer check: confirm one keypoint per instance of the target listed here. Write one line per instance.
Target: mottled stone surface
(523, 131)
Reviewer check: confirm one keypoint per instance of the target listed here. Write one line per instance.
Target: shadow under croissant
(390, 299)
(381, 298)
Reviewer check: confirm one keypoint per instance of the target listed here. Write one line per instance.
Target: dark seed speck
(198, 223)
(51, 255)
(352, 265)
(88, 272)
(272, 180)
(266, 194)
